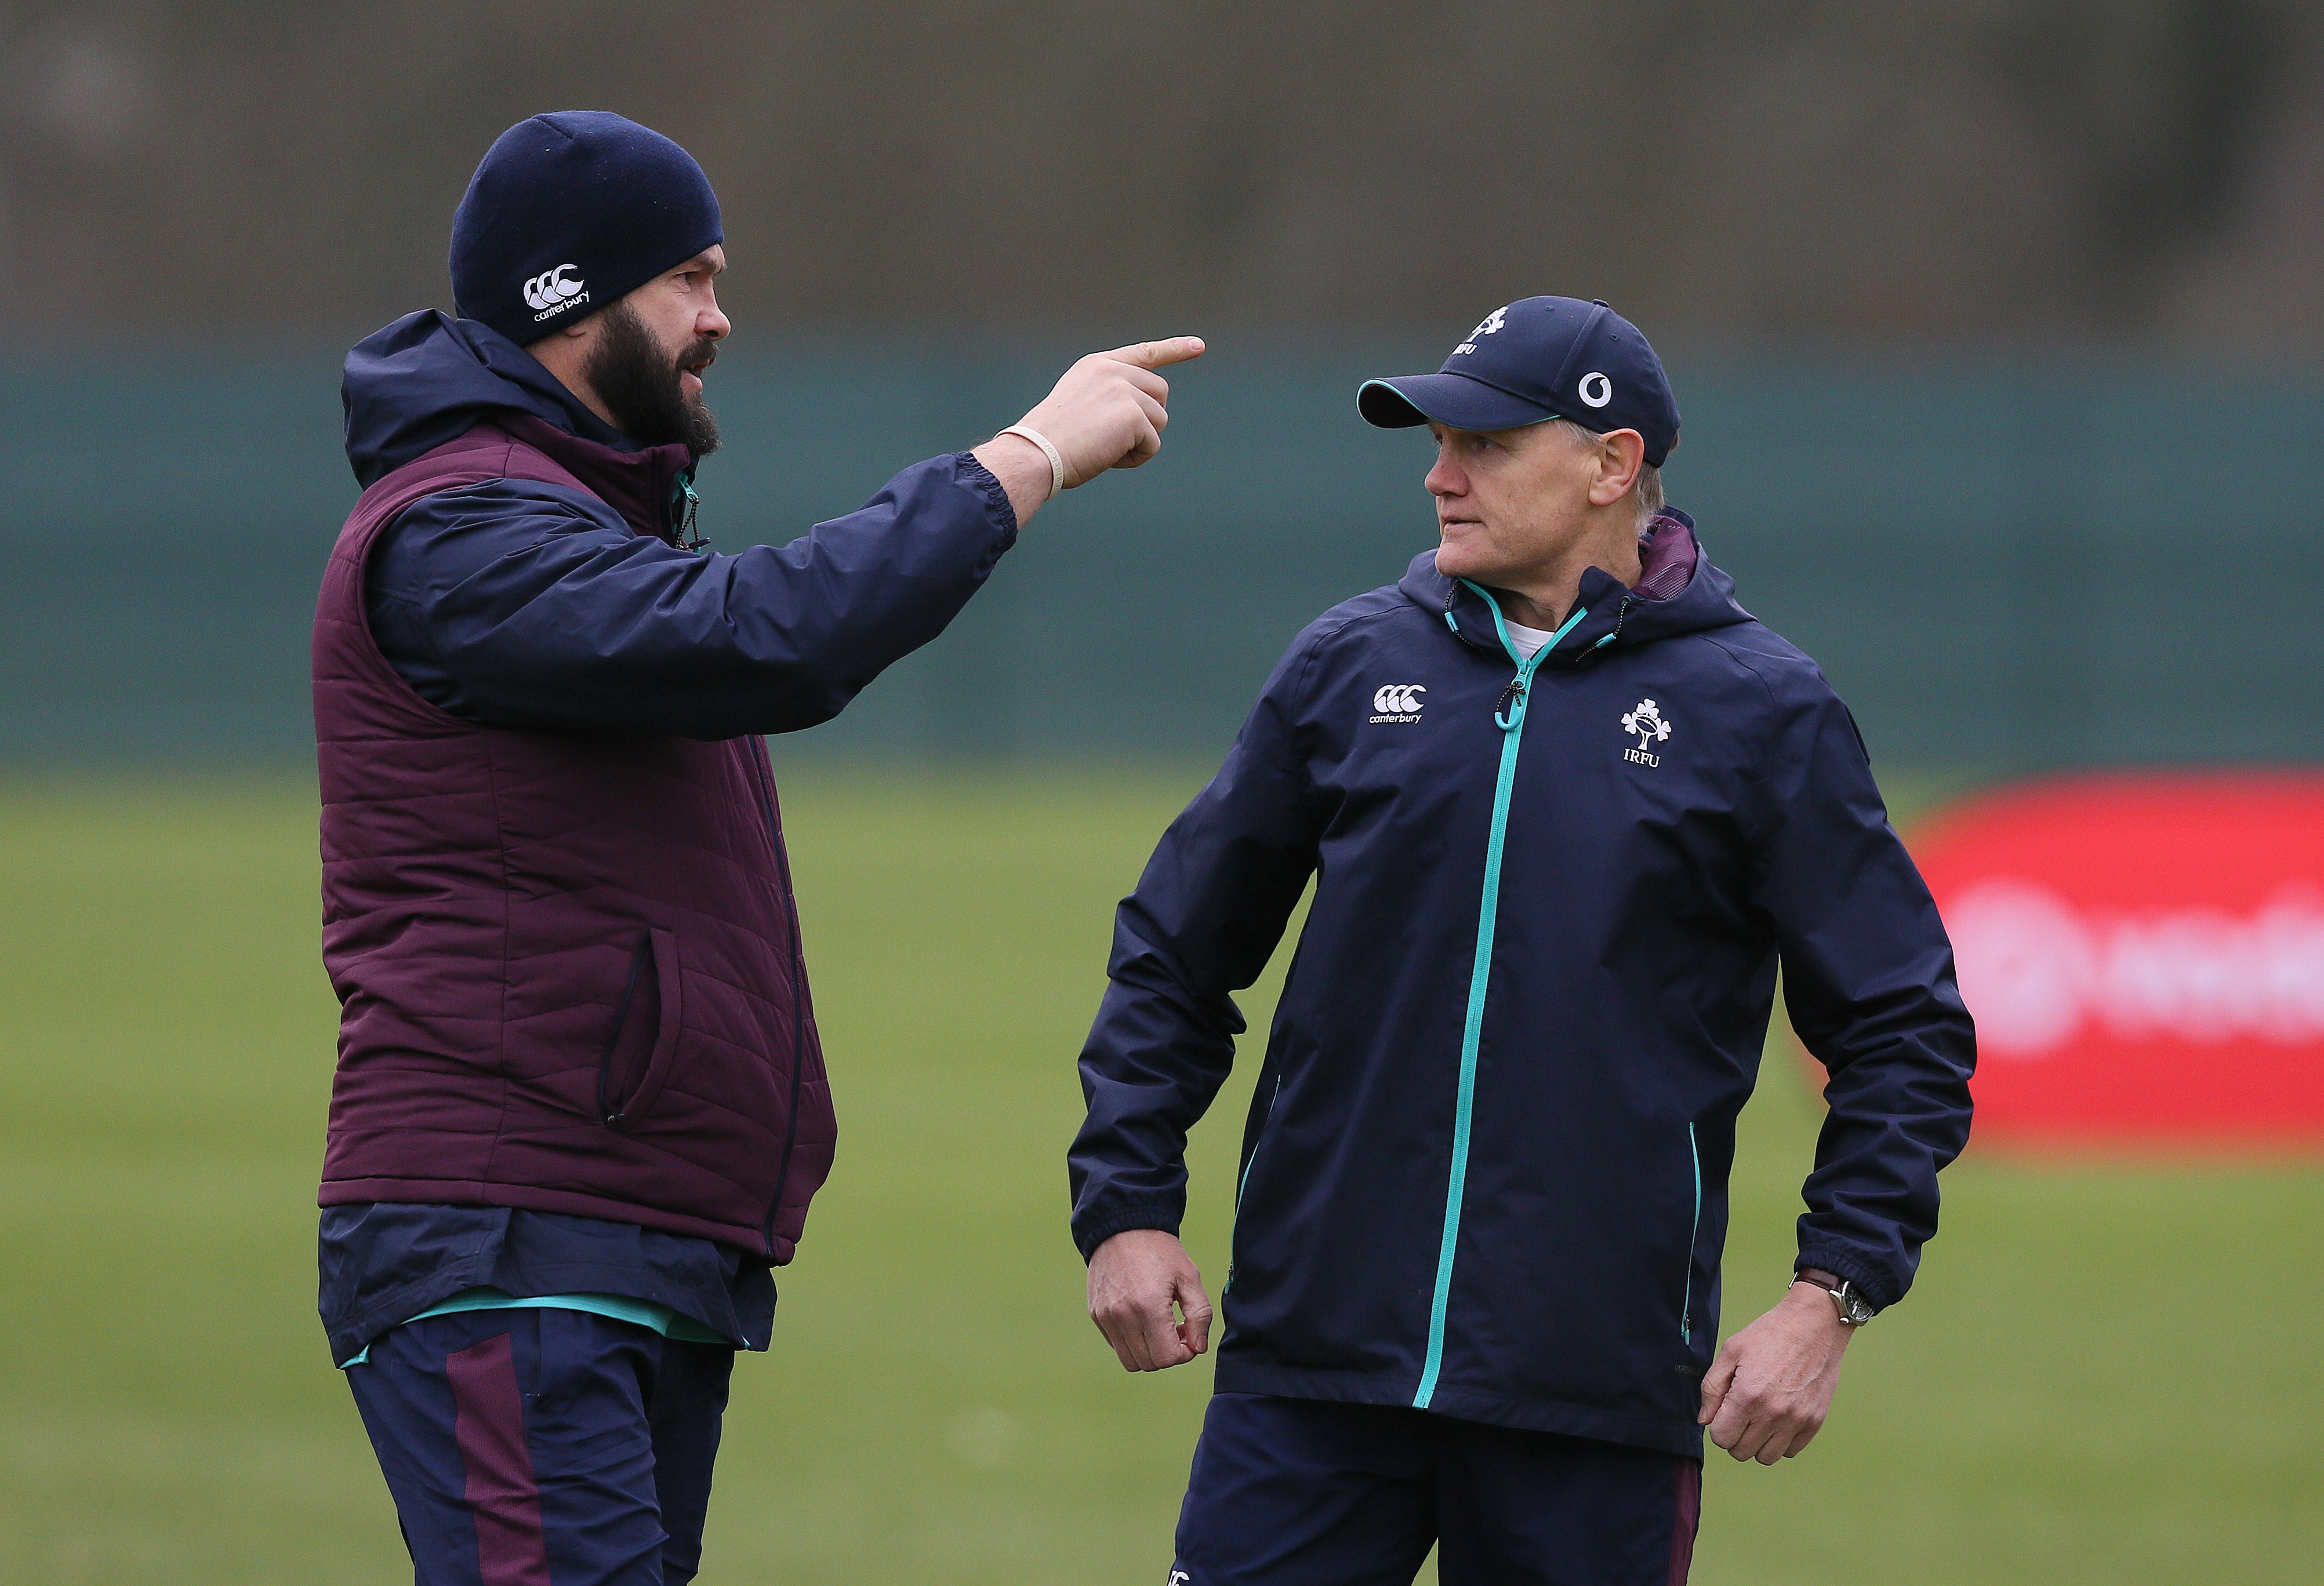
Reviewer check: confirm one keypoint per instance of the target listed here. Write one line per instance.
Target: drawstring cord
(1620, 613)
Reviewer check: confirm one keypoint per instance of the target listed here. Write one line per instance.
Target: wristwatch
(1848, 1300)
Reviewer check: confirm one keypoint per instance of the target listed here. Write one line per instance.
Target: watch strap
(1846, 1299)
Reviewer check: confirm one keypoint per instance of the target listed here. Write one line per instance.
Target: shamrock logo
(1646, 721)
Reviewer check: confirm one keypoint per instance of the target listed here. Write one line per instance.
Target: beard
(636, 377)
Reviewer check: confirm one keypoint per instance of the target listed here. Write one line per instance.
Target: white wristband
(1056, 463)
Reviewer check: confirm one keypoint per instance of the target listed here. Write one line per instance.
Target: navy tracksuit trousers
(531, 1446)
(1307, 1492)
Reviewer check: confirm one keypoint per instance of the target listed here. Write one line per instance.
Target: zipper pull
(1510, 711)
(687, 539)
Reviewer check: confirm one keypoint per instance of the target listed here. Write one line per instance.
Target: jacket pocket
(1693, 1237)
(643, 1043)
(1258, 1137)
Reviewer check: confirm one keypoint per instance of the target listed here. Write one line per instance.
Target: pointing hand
(1107, 411)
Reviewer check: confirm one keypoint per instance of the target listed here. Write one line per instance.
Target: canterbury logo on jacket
(1485, 1171)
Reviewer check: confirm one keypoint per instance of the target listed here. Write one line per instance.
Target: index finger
(1153, 354)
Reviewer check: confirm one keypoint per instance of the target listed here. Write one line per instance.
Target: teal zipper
(1693, 1232)
(1510, 718)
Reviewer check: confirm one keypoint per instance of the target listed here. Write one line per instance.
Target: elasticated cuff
(977, 476)
(1092, 1231)
(1870, 1282)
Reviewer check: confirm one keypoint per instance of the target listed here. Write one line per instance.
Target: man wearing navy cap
(1566, 807)
(580, 1106)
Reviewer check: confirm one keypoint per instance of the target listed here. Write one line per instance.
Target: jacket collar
(643, 486)
(428, 379)
(1615, 612)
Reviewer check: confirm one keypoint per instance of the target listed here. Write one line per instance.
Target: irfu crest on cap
(1485, 327)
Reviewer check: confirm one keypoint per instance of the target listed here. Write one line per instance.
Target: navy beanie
(571, 211)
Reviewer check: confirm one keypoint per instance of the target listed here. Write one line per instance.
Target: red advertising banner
(2143, 955)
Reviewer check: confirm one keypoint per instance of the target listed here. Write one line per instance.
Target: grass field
(2110, 1373)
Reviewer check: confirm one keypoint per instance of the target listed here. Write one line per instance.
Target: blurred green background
(2107, 1375)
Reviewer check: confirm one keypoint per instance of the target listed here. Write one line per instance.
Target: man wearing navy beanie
(580, 1106)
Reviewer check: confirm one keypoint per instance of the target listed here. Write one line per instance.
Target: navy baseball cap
(1537, 359)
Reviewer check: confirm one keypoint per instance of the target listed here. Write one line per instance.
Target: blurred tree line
(1884, 171)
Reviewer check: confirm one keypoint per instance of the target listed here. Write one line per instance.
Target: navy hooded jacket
(520, 604)
(1485, 1170)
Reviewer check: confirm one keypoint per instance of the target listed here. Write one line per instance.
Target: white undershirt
(1527, 640)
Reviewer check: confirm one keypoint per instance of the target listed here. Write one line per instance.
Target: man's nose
(712, 323)
(1443, 479)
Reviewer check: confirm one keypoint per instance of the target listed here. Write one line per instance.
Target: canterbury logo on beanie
(551, 291)
(570, 211)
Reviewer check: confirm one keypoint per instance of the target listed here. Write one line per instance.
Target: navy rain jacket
(522, 604)
(1485, 1170)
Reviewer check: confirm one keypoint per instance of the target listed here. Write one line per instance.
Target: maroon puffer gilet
(569, 965)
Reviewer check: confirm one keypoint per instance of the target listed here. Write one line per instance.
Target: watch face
(1855, 1307)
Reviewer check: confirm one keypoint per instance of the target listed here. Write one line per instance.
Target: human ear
(1621, 452)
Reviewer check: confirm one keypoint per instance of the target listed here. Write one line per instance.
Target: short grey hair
(1648, 487)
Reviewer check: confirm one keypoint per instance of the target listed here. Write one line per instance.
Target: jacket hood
(1613, 613)
(428, 378)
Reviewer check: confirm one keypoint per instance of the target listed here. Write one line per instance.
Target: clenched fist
(1107, 411)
